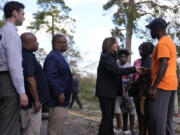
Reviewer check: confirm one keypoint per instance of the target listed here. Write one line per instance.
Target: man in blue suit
(60, 84)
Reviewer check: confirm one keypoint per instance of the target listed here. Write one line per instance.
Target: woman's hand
(139, 70)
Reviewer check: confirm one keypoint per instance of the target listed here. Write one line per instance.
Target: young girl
(142, 102)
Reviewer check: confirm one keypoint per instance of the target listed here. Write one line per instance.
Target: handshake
(142, 70)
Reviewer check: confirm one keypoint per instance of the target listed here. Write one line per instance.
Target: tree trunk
(128, 41)
(52, 27)
(129, 28)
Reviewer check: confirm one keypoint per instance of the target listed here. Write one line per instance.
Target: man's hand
(37, 106)
(23, 100)
(61, 98)
(152, 93)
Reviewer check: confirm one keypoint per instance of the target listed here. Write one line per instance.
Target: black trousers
(140, 116)
(147, 117)
(143, 120)
(107, 106)
(75, 98)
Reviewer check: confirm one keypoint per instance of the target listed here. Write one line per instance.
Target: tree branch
(151, 2)
(145, 13)
(119, 30)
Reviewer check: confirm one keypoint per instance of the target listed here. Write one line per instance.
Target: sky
(93, 25)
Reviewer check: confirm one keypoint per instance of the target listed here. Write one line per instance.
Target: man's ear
(14, 13)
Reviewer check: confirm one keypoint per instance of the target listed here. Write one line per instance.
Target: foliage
(53, 17)
(178, 72)
(87, 88)
(40, 55)
(1, 23)
(131, 17)
(2, 20)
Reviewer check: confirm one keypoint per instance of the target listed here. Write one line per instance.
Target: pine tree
(53, 17)
(131, 17)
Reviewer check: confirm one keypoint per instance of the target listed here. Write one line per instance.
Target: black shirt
(32, 68)
(109, 83)
(147, 63)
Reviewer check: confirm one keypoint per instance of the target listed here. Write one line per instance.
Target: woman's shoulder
(107, 57)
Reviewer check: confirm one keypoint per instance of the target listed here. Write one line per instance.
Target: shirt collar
(11, 25)
(62, 54)
(57, 51)
(26, 50)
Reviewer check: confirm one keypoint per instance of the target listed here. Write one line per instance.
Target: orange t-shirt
(165, 48)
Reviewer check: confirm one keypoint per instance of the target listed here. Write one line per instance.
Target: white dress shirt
(11, 55)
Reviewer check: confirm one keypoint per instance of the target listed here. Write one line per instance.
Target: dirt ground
(86, 121)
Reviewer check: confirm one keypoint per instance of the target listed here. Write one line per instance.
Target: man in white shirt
(12, 91)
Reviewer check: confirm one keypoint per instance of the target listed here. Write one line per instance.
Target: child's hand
(124, 90)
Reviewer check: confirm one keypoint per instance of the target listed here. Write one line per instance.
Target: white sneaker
(115, 130)
(127, 132)
(118, 132)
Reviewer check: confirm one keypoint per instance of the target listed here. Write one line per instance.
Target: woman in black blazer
(108, 85)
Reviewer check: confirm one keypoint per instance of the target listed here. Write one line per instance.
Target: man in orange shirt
(164, 80)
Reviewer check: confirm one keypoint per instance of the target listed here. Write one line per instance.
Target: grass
(87, 95)
(89, 101)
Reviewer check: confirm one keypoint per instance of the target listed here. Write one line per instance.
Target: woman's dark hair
(107, 43)
(146, 49)
(11, 6)
(123, 51)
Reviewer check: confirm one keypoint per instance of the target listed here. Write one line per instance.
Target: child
(126, 102)
(142, 100)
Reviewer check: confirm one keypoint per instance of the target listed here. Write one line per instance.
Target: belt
(4, 72)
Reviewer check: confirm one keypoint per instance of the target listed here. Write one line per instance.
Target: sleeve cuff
(21, 91)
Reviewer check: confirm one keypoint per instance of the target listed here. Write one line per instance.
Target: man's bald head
(29, 41)
(26, 36)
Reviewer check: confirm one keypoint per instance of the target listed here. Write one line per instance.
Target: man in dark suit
(59, 79)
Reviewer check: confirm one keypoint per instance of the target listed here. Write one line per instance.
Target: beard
(19, 22)
(153, 35)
